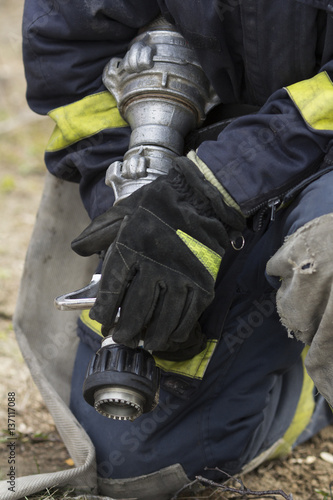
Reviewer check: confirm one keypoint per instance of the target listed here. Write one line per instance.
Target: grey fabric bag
(305, 298)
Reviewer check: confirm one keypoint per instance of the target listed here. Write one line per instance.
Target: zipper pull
(272, 204)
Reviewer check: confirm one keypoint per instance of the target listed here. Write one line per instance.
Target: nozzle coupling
(163, 93)
(122, 383)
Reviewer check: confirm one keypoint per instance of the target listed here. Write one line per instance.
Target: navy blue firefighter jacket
(278, 56)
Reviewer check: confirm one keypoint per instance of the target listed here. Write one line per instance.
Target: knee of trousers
(188, 433)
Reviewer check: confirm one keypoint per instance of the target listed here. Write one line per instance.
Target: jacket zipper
(278, 202)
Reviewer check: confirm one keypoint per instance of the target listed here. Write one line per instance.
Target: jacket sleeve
(260, 160)
(66, 44)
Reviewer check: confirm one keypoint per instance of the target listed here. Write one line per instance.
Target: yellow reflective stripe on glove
(314, 100)
(82, 119)
(208, 258)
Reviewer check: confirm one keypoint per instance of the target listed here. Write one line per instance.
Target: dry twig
(243, 491)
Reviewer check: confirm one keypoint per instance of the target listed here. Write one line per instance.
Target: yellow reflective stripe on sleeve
(213, 180)
(94, 325)
(82, 119)
(210, 259)
(314, 100)
(194, 367)
(303, 414)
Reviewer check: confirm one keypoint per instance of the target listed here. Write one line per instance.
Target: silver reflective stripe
(265, 455)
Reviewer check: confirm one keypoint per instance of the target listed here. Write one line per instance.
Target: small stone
(327, 457)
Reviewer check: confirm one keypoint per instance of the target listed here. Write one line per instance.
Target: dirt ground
(306, 474)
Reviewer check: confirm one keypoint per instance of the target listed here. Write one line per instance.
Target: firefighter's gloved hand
(100, 233)
(305, 297)
(161, 267)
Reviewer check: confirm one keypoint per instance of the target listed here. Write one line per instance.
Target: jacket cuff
(208, 174)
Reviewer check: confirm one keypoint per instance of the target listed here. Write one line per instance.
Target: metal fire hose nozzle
(121, 383)
(163, 94)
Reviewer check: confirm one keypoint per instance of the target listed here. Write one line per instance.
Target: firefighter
(242, 330)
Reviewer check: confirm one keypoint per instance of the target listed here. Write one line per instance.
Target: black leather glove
(165, 244)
